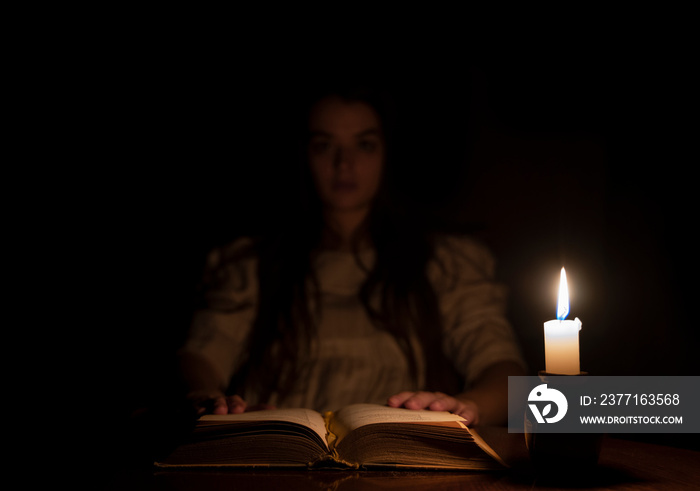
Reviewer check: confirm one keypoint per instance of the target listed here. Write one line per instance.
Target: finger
(470, 415)
(469, 411)
(420, 400)
(397, 400)
(219, 406)
(236, 404)
(443, 402)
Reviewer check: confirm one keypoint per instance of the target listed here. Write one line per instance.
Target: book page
(303, 417)
(348, 418)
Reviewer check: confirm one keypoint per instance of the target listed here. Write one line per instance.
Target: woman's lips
(344, 186)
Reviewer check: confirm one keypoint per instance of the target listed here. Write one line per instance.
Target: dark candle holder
(563, 454)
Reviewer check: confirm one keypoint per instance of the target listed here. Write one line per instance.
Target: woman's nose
(343, 157)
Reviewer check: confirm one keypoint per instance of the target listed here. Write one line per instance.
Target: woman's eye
(368, 145)
(320, 146)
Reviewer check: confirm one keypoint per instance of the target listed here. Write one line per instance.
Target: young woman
(356, 303)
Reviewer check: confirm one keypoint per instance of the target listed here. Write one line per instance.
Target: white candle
(561, 352)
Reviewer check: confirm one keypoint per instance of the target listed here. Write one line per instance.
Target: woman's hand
(437, 401)
(205, 395)
(218, 403)
(486, 403)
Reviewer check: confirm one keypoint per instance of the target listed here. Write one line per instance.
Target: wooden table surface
(624, 464)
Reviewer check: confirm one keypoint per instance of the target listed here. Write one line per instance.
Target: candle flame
(563, 303)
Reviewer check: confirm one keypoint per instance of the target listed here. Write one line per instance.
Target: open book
(357, 436)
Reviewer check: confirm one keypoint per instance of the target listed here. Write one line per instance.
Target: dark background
(581, 159)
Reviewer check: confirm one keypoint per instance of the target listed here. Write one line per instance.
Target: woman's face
(346, 153)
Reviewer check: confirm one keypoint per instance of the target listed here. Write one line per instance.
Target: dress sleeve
(220, 328)
(476, 333)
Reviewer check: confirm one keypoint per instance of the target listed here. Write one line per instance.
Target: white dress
(354, 361)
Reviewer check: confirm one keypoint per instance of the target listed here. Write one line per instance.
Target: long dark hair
(284, 327)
